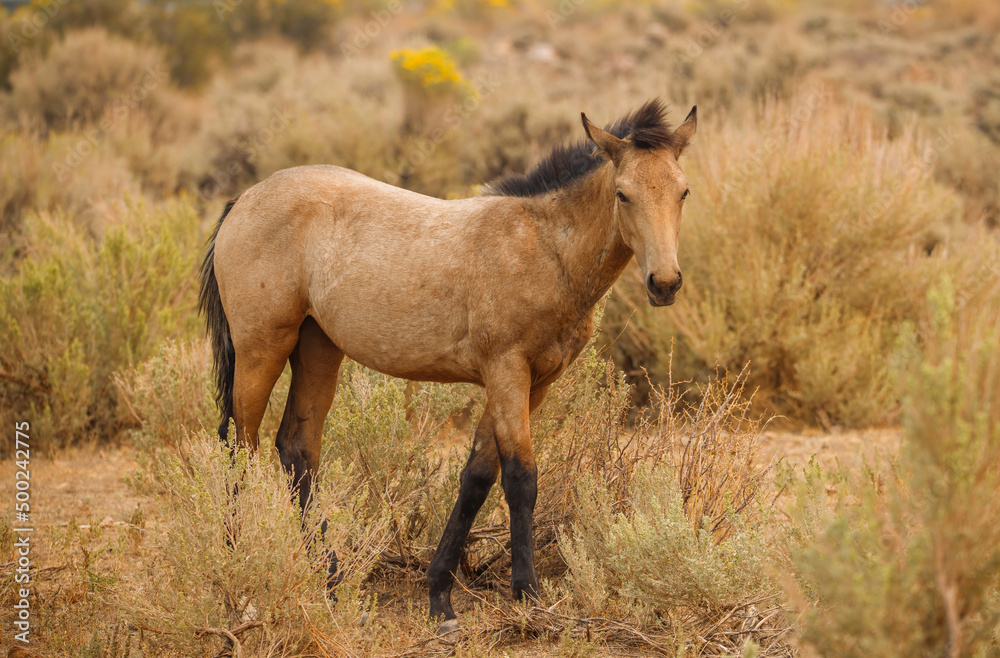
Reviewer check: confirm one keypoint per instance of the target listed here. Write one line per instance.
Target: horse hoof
(449, 626)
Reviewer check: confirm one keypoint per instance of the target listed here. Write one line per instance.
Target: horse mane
(646, 128)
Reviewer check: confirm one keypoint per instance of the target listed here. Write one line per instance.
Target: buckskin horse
(318, 262)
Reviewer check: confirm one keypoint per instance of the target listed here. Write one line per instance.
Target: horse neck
(583, 231)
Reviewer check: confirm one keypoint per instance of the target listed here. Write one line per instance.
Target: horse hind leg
(315, 365)
(259, 363)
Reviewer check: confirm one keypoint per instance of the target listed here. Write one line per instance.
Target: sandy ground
(87, 486)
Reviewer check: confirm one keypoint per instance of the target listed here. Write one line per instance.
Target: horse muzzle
(661, 293)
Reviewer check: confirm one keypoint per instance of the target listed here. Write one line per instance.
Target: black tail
(210, 304)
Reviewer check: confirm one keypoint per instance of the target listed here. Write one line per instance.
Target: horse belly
(399, 337)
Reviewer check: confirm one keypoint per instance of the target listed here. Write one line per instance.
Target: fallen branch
(232, 636)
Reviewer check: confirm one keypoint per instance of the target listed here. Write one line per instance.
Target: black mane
(646, 128)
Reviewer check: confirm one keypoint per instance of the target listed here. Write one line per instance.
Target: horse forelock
(646, 128)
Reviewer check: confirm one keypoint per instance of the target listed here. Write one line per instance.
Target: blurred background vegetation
(847, 160)
(841, 239)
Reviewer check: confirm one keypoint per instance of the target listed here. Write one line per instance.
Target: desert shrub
(263, 120)
(804, 250)
(966, 166)
(79, 308)
(911, 564)
(124, 17)
(429, 68)
(652, 555)
(684, 536)
(304, 22)
(8, 55)
(84, 76)
(194, 38)
(198, 37)
(170, 395)
(246, 564)
(65, 173)
(432, 83)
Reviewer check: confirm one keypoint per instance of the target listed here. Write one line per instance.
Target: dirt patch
(848, 449)
(85, 486)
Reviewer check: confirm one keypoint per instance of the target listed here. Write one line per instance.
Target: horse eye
(622, 198)
(686, 194)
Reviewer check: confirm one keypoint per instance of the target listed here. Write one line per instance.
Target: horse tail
(223, 352)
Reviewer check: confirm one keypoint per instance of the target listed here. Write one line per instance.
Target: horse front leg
(520, 487)
(502, 443)
(476, 481)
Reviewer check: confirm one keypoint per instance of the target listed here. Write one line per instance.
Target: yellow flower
(431, 68)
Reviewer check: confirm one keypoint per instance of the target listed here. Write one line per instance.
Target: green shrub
(911, 565)
(80, 308)
(170, 395)
(125, 17)
(652, 557)
(304, 22)
(194, 38)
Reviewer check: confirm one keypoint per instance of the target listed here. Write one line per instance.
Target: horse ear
(609, 145)
(685, 131)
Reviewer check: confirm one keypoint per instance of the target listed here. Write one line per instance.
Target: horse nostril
(660, 289)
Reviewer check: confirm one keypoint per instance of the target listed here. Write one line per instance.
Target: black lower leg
(302, 487)
(477, 479)
(520, 486)
(295, 463)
